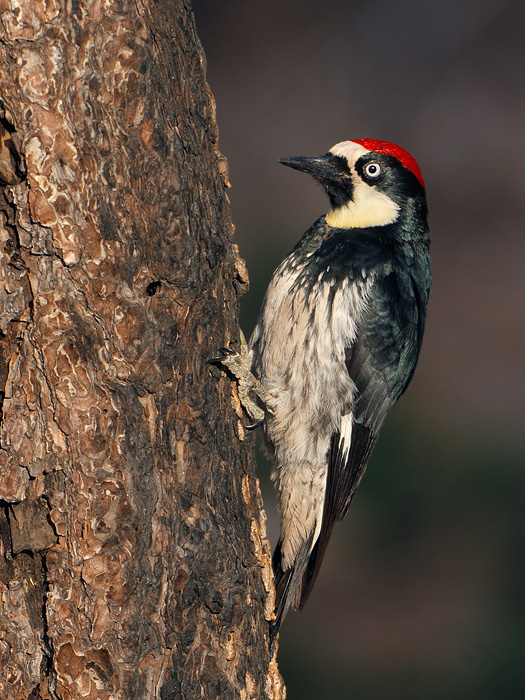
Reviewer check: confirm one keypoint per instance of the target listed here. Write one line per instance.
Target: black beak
(330, 170)
(325, 167)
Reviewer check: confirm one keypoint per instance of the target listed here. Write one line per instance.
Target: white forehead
(349, 150)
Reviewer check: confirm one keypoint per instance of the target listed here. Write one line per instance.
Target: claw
(239, 365)
(228, 351)
(255, 425)
(227, 354)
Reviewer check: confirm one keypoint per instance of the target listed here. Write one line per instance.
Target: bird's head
(369, 182)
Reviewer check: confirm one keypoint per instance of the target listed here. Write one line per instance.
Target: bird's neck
(368, 208)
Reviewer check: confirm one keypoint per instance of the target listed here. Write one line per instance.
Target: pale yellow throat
(369, 207)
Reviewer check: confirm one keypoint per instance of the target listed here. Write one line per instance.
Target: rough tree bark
(133, 559)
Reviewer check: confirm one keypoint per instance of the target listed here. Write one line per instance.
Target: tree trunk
(133, 559)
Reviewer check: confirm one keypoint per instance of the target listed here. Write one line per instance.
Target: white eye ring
(373, 169)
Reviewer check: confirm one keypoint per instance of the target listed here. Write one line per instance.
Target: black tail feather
(287, 584)
(345, 469)
(342, 480)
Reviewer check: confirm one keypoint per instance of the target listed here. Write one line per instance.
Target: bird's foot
(239, 364)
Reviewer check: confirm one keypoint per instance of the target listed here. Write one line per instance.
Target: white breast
(299, 351)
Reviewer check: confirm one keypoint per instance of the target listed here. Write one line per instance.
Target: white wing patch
(346, 434)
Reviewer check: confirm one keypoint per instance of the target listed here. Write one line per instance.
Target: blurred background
(422, 593)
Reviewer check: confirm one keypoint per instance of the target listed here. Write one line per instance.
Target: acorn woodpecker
(336, 344)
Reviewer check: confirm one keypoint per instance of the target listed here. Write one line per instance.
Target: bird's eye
(372, 170)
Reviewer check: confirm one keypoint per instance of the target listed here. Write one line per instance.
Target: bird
(336, 344)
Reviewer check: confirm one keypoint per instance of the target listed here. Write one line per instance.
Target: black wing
(381, 363)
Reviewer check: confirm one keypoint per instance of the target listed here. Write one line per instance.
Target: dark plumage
(337, 343)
